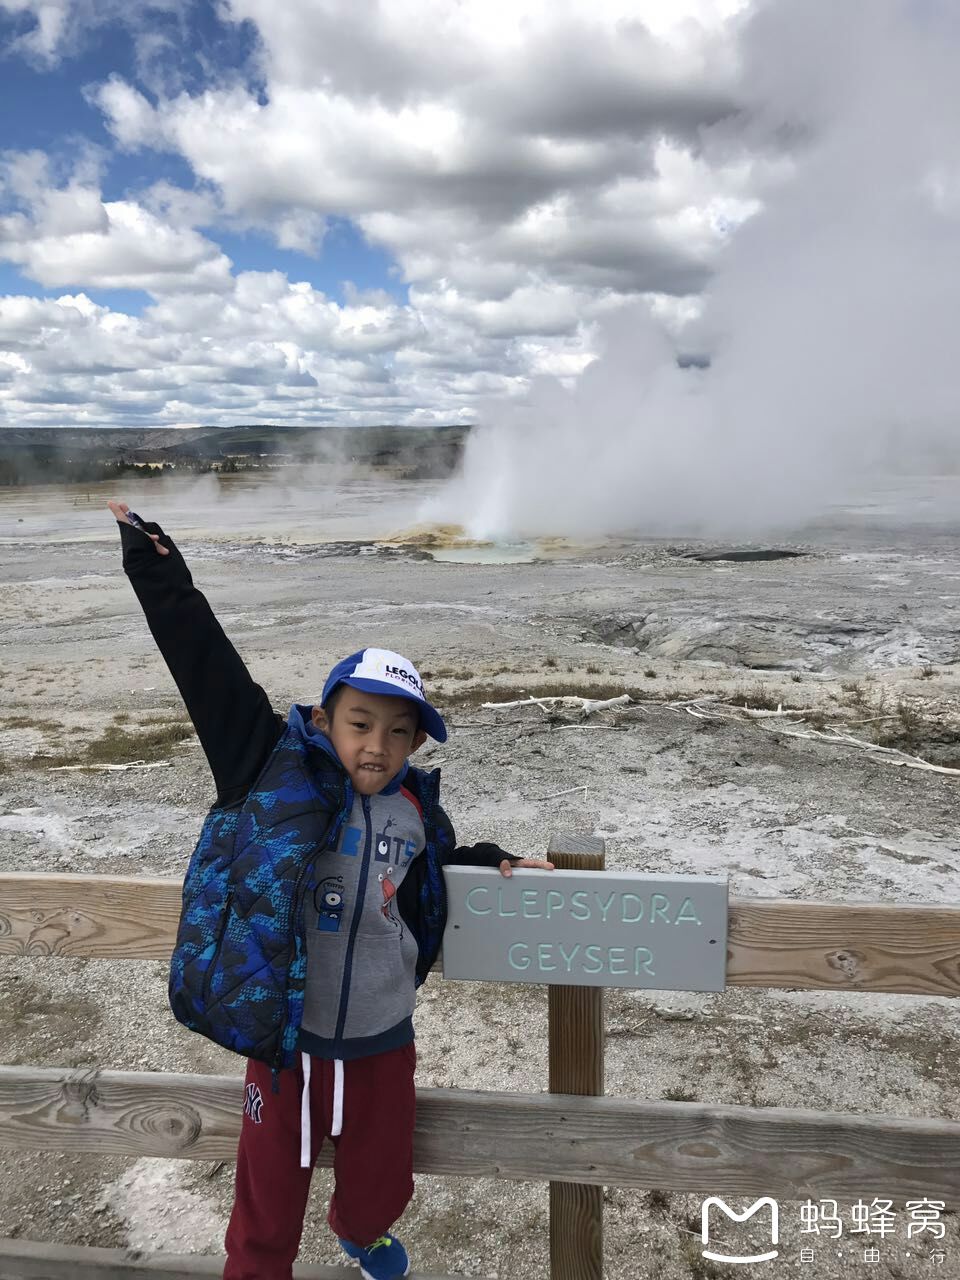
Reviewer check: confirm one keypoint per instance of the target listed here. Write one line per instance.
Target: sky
(355, 211)
(526, 216)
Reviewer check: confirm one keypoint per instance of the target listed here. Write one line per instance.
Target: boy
(313, 907)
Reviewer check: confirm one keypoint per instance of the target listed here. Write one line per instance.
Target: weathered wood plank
(672, 1145)
(870, 946)
(99, 917)
(29, 1260)
(575, 1049)
(772, 942)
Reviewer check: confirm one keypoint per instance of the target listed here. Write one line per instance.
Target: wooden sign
(586, 929)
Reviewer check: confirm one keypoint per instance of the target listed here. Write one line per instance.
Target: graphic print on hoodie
(361, 959)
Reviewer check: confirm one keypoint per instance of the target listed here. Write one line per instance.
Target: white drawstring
(337, 1118)
(305, 1113)
(337, 1098)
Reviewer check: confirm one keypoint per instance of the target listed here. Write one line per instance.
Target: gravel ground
(667, 792)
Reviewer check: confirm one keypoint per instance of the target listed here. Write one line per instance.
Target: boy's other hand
(120, 510)
(506, 866)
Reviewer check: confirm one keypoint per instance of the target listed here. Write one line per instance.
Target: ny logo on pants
(253, 1103)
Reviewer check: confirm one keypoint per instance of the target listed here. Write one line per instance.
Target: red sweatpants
(373, 1160)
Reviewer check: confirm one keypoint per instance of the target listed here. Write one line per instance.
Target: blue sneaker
(385, 1259)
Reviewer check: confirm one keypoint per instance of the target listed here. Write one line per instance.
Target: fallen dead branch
(112, 768)
(586, 705)
(613, 728)
(888, 755)
(874, 719)
(738, 712)
(708, 707)
(680, 703)
(482, 724)
(760, 713)
(554, 795)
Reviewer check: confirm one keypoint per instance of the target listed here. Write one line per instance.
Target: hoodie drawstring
(305, 1113)
(336, 1119)
(337, 1124)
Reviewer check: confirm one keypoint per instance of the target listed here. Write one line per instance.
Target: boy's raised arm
(232, 715)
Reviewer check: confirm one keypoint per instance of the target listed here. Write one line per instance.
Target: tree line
(54, 468)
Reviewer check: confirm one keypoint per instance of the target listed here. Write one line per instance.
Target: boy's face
(373, 734)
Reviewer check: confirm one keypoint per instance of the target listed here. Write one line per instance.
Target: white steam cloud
(829, 322)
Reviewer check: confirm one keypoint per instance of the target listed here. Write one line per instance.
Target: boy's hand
(120, 510)
(506, 866)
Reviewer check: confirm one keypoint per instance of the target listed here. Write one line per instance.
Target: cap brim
(430, 719)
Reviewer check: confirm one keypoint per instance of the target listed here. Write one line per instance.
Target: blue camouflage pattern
(239, 965)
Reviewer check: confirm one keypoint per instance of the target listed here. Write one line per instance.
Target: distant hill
(31, 455)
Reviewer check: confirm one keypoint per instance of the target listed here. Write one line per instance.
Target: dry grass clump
(679, 1094)
(856, 692)
(19, 722)
(759, 699)
(919, 732)
(150, 740)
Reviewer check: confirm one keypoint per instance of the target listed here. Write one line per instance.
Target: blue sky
(47, 107)
(504, 211)
(324, 209)
(42, 98)
(306, 212)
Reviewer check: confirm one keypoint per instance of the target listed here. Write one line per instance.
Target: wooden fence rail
(28, 1260)
(576, 1143)
(772, 942)
(674, 1146)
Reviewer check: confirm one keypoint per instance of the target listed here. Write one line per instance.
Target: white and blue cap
(384, 672)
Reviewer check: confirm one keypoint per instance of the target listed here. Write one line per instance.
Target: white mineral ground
(862, 627)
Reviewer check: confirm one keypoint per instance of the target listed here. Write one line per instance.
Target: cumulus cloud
(265, 350)
(530, 167)
(527, 166)
(68, 236)
(760, 180)
(478, 137)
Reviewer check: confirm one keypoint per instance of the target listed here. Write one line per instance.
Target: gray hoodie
(361, 957)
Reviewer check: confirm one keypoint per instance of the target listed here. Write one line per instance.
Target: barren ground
(861, 629)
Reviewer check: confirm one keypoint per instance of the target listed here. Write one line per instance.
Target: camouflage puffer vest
(239, 965)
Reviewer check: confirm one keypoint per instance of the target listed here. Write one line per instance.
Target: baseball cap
(382, 671)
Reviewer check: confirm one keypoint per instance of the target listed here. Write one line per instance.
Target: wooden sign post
(576, 1043)
(579, 929)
